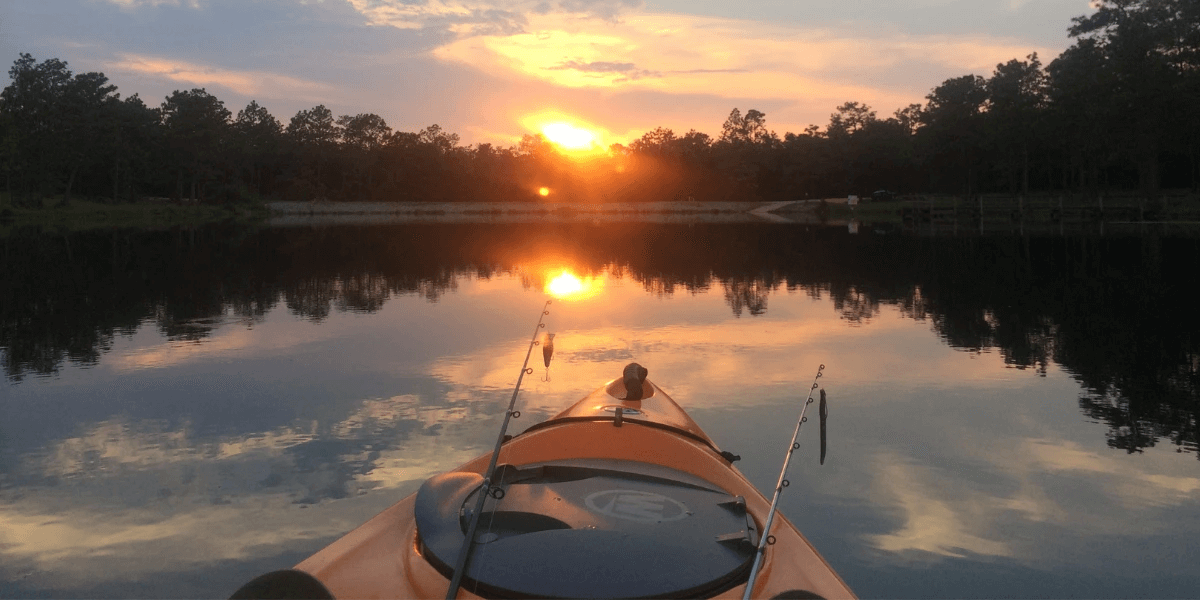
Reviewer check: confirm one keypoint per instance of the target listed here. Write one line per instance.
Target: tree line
(1119, 109)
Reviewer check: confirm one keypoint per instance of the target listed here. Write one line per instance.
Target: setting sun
(544, 191)
(569, 136)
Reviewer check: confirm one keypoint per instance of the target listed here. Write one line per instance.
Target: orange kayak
(610, 498)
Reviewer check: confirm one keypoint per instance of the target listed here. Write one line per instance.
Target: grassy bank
(87, 214)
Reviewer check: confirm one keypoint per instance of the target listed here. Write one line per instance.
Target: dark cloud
(486, 21)
(692, 71)
(483, 18)
(593, 67)
(604, 9)
(628, 71)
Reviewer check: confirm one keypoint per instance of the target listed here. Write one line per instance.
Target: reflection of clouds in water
(117, 445)
(1128, 481)
(704, 365)
(933, 522)
(271, 337)
(54, 542)
(946, 514)
(680, 359)
(133, 498)
(119, 448)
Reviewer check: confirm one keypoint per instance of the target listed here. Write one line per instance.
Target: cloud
(731, 58)
(595, 67)
(250, 83)
(130, 4)
(476, 17)
(599, 68)
(660, 68)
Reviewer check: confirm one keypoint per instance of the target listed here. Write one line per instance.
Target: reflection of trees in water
(750, 295)
(311, 298)
(1156, 396)
(855, 305)
(1113, 312)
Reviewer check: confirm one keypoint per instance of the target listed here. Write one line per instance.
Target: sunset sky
(492, 71)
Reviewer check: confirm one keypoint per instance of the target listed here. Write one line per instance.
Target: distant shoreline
(363, 213)
(1049, 213)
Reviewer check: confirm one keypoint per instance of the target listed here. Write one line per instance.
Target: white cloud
(246, 82)
(703, 55)
(795, 71)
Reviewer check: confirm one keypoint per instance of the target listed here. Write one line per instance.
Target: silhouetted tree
(1016, 97)
(850, 118)
(314, 136)
(362, 138)
(1151, 48)
(85, 109)
(197, 132)
(33, 103)
(134, 133)
(259, 142)
(952, 133)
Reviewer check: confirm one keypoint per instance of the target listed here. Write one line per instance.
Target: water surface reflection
(184, 409)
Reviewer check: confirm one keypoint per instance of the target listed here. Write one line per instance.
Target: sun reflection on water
(568, 286)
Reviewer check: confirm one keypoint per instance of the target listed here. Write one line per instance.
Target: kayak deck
(612, 529)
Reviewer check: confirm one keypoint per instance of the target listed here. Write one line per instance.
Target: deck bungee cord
(486, 488)
(766, 539)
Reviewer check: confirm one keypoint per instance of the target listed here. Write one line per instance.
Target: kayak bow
(622, 495)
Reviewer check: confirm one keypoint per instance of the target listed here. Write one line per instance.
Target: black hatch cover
(589, 528)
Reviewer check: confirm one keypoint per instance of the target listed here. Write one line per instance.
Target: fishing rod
(766, 539)
(485, 488)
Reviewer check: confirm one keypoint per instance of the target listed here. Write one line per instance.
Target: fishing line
(766, 539)
(486, 488)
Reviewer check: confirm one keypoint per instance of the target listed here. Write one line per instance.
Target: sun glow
(567, 286)
(569, 136)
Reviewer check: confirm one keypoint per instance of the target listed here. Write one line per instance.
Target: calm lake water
(1010, 416)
